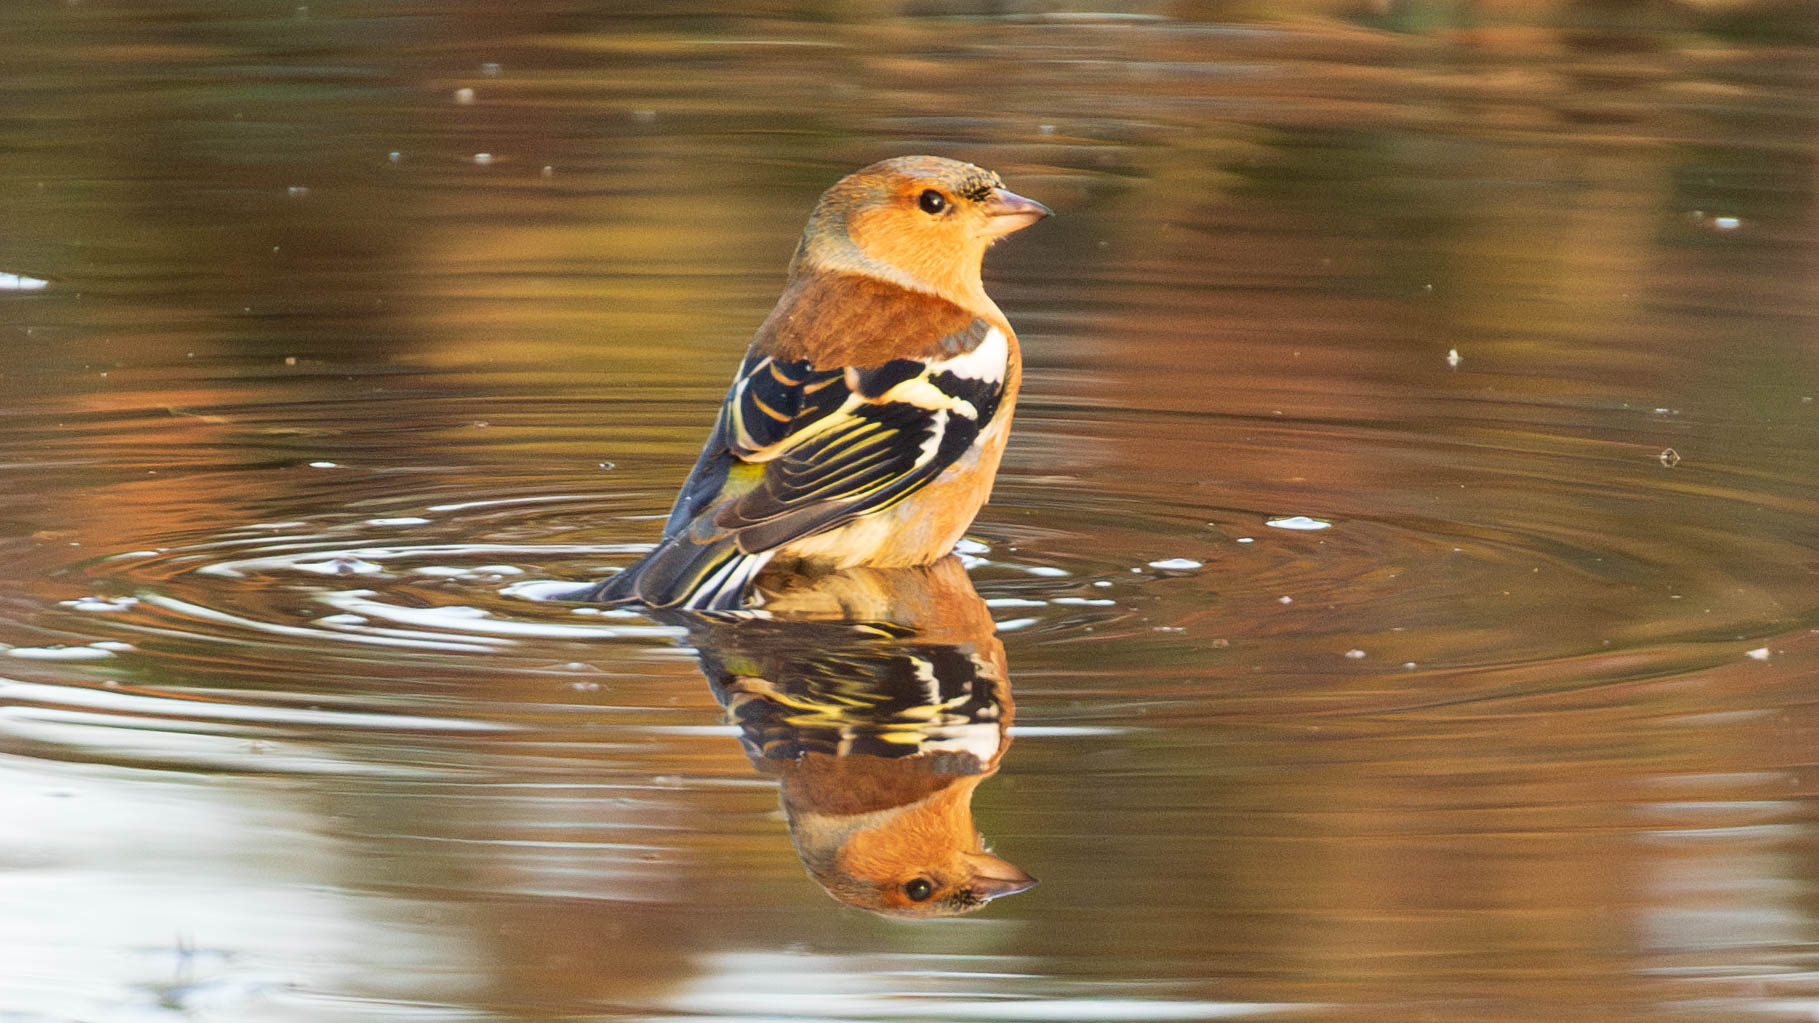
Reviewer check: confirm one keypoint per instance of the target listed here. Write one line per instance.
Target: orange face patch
(928, 229)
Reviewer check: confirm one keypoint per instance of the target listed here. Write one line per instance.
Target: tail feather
(684, 574)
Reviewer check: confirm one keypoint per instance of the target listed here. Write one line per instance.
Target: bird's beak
(992, 876)
(1006, 211)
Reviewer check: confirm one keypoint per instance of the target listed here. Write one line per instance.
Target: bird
(880, 700)
(867, 420)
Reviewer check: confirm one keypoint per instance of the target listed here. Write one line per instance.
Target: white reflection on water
(20, 282)
(202, 731)
(140, 895)
(413, 641)
(20, 701)
(770, 987)
(312, 560)
(471, 620)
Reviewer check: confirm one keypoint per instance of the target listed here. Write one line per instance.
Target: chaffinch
(868, 418)
(877, 731)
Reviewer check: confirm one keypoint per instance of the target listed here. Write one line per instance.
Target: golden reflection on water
(880, 700)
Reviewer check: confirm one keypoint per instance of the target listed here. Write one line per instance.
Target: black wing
(861, 442)
(799, 450)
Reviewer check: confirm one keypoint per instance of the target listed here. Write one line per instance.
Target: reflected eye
(932, 201)
(920, 889)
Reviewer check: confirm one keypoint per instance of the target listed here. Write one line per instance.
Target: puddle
(1372, 659)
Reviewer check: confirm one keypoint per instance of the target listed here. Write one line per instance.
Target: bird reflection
(880, 701)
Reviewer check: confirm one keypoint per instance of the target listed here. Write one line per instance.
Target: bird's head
(950, 886)
(922, 860)
(921, 221)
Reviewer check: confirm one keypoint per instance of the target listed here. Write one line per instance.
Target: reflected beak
(992, 876)
(1006, 211)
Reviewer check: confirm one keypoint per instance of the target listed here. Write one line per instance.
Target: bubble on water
(1355, 654)
(20, 282)
(1299, 522)
(99, 603)
(1714, 221)
(1285, 600)
(1175, 564)
(491, 69)
(1103, 584)
(297, 191)
(464, 96)
(338, 566)
(460, 612)
(1453, 358)
(444, 572)
(483, 158)
(1046, 571)
(394, 156)
(325, 465)
(59, 653)
(549, 589)
(1758, 654)
(1669, 457)
(1247, 539)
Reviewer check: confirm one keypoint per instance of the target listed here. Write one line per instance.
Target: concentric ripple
(1346, 596)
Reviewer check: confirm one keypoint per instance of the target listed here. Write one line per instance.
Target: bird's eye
(932, 201)
(919, 890)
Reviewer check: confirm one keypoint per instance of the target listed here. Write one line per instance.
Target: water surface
(1405, 560)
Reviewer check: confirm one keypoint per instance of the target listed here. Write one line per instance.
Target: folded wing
(800, 450)
(855, 441)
